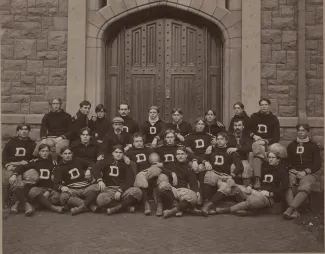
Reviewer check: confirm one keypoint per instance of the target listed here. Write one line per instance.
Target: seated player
(17, 151)
(304, 160)
(181, 127)
(56, 127)
(115, 181)
(114, 137)
(129, 125)
(197, 142)
(99, 124)
(145, 173)
(264, 128)
(221, 175)
(212, 126)
(43, 191)
(86, 147)
(153, 129)
(183, 193)
(275, 182)
(240, 113)
(71, 179)
(240, 143)
(80, 120)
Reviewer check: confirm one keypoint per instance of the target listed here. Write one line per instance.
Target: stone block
(5, 5)
(315, 86)
(7, 51)
(24, 108)
(292, 61)
(266, 20)
(5, 99)
(63, 59)
(58, 76)
(316, 60)
(10, 33)
(11, 76)
(290, 134)
(268, 71)
(278, 89)
(41, 45)
(319, 15)
(23, 90)
(269, 5)
(60, 23)
(63, 8)
(287, 111)
(47, 3)
(5, 88)
(57, 40)
(286, 10)
(283, 23)
(314, 32)
(313, 67)
(47, 55)
(27, 81)
(39, 107)
(42, 80)
(311, 44)
(286, 77)
(320, 71)
(31, 30)
(34, 67)
(311, 74)
(20, 98)
(10, 108)
(51, 63)
(37, 98)
(279, 57)
(38, 11)
(271, 36)
(271, 82)
(293, 91)
(25, 49)
(289, 40)
(266, 53)
(53, 11)
(15, 65)
(39, 89)
(55, 91)
(47, 23)
(18, 7)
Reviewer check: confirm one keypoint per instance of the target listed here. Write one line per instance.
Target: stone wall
(279, 63)
(314, 58)
(33, 54)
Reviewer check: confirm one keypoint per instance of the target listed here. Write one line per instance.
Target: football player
(181, 127)
(129, 125)
(115, 181)
(304, 160)
(153, 129)
(71, 179)
(80, 120)
(43, 191)
(221, 175)
(240, 113)
(264, 128)
(212, 126)
(99, 124)
(176, 191)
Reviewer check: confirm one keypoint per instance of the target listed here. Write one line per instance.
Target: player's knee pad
(62, 143)
(153, 171)
(162, 178)
(164, 186)
(34, 192)
(64, 197)
(141, 180)
(54, 198)
(258, 148)
(306, 184)
(187, 195)
(248, 170)
(31, 176)
(135, 193)
(257, 201)
(224, 188)
(103, 199)
(211, 178)
(278, 149)
(17, 184)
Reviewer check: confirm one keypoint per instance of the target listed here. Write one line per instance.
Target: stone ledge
(315, 122)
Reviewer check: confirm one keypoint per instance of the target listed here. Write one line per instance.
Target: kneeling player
(178, 194)
(71, 178)
(221, 176)
(275, 181)
(43, 192)
(115, 180)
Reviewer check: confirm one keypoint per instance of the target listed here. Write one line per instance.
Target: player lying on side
(42, 192)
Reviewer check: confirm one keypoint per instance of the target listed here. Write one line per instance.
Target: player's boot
(131, 209)
(159, 211)
(15, 207)
(179, 214)
(147, 208)
(223, 210)
(94, 208)
(171, 212)
(29, 210)
(244, 213)
(114, 209)
(206, 208)
(56, 209)
(287, 214)
(79, 209)
(295, 214)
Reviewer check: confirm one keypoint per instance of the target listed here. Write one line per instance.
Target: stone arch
(213, 11)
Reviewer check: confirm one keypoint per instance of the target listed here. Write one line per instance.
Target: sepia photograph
(162, 126)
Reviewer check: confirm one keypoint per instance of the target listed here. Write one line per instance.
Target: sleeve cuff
(308, 171)
(99, 180)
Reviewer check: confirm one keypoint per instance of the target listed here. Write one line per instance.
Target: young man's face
(177, 117)
(44, 153)
(85, 137)
(170, 138)
(100, 114)
(67, 155)
(238, 127)
(210, 116)
(56, 105)
(153, 114)
(85, 109)
(265, 107)
(138, 142)
(117, 127)
(302, 133)
(181, 156)
(23, 132)
(123, 110)
(199, 127)
(221, 141)
(117, 154)
(273, 160)
(238, 110)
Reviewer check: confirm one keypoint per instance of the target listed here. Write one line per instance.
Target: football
(154, 158)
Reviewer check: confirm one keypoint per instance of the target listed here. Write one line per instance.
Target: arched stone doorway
(165, 57)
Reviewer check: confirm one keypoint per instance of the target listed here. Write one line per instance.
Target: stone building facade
(271, 48)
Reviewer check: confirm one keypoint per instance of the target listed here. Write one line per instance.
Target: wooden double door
(164, 62)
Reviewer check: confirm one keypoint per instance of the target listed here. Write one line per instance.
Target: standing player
(178, 194)
(99, 124)
(115, 180)
(221, 176)
(129, 125)
(56, 127)
(71, 179)
(265, 131)
(241, 114)
(153, 129)
(80, 120)
(212, 126)
(181, 128)
(304, 160)
(43, 191)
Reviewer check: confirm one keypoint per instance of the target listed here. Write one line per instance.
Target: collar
(154, 120)
(303, 140)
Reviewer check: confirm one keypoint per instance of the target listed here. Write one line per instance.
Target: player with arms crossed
(181, 127)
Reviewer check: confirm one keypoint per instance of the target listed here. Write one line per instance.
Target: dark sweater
(115, 173)
(111, 139)
(214, 128)
(99, 127)
(79, 121)
(130, 125)
(140, 156)
(243, 145)
(151, 131)
(306, 155)
(198, 142)
(243, 116)
(167, 153)
(58, 124)
(183, 128)
(88, 152)
(17, 149)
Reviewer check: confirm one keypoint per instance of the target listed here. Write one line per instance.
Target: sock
(289, 197)
(299, 199)
(20, 194)
(144, 195)
(217, 197)
(91, 198)
(257, 166)
(208, 191)
(240, 206)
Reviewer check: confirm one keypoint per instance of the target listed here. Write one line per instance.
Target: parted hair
(198, 120)
(138, 135)
(168, 131)
(223, 134)
(179, 110)
(118, 147)
(99, 108)
(63, 149)
(155, 108)
(306, 126)
(20, 126)
(240, 104)
(55, 99)
(85, 129)
(84, 103)
(42, 146)
(264, 99)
